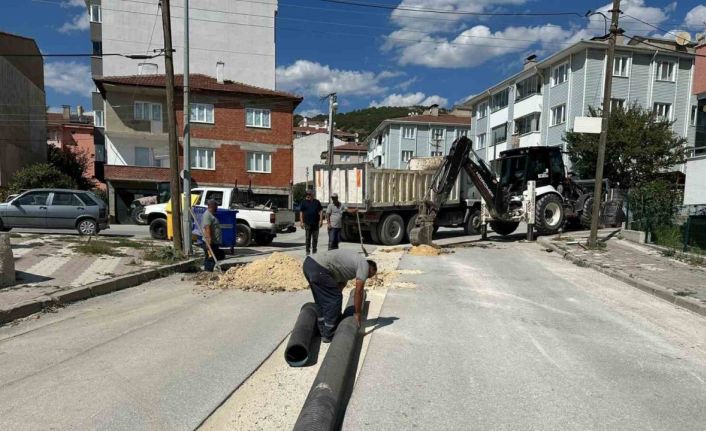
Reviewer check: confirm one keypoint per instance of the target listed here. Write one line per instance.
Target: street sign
(587, 125)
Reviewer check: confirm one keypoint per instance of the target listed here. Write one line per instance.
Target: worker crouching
(327, 274)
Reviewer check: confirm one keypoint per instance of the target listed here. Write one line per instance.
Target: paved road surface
(160, 356)
(512, 337)
(126, 230)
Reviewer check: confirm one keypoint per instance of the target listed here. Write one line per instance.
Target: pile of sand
(276, 273)
(425, 250)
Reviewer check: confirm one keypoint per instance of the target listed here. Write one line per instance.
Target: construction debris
(425, 250)
(276, 273)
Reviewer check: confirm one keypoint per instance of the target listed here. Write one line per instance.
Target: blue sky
(374, 56)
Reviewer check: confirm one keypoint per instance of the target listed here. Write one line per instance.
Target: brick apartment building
(74, 132)
(239, 133)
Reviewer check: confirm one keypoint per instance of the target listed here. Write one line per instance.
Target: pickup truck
(259, 223)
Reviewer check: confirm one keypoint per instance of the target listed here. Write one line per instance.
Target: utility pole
(186, 218)
(171, 120)
(607, 90)
(332, 105)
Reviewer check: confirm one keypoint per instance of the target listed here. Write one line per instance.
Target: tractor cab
(544, 165)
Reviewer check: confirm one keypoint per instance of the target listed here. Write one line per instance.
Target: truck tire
(504, 228)
(374, 236)
(472, 225)
(158, 228)
(549, 214)
(587, 213)
(243, 235)
(350, 233)
(263, 238)
(411, 224)
(392, 229)
(138, 215)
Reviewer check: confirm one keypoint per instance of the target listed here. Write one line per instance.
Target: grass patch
(165, 255)
(685, 293)
(97, 247)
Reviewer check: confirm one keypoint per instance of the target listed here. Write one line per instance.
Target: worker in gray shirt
(334, 220)
(327, 274)
(212, 236)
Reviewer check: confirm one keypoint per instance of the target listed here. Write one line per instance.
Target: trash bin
(226, 218)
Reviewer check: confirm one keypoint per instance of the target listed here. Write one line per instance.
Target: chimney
(79, 111)
(530, 62)
(305, 122)
(220, 72)
(66, 112)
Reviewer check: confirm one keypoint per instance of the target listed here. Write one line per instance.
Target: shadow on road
(378, 322)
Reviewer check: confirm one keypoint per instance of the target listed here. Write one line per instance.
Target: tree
(40, 175)
(639, 148)
(71, 164)
(298, 192)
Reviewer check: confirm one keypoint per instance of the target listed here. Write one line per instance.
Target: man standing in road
(334, 220)
(310, 218)
(212, 236)
(327, 275)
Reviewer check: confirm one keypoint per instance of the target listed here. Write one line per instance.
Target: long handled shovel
(210, 250)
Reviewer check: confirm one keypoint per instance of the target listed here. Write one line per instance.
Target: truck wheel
(374, 233)
(472, 225)
(350, 233)
(138, 215)
(549, 214)
(158, 228)
(391, 230)
(243, 235)
(411, 224)
(263, 238)
(587, 213)
(504, 228)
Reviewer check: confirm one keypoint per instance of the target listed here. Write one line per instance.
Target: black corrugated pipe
(299, 345)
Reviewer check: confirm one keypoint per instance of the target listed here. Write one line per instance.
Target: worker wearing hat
(310, 219)
(334, 220)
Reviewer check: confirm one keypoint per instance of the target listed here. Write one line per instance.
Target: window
(482, 110)
(215, 195)
(345, 157)
(437, 153)
(409, 132)
(461, 132)
(98, 119)
(202, 113)
(34, 198)
(144, 156)
(560, 74)
(617, 104)
(528, 87)
(94, 13)
(499, 100)
(663, 111)
(147, 69)
(257, 118)
(527, 124)
(148, 111)
(558, 115)
(437, 134)
(407, 156)
(203, 158)
(665, 71)
(499, 134)
(87, 199)
(97, 48)
(692, 119)
(65, 199)
(259, 162)
(480, 141)
(620, 65)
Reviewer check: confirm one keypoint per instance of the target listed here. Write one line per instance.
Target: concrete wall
(695, 185)
(307, 152)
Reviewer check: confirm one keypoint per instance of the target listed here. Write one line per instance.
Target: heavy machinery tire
(243, 235)
(587, 213)
(262, 238)
(504, 228)
(374, 234)
(411, 223)
(549, 214)
(472, 225)
(138, 215)
(392, 229)
(158, 228)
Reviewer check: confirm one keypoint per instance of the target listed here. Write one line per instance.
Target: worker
(327, 274)
(212, 236)
(334, 220)
(310, 219)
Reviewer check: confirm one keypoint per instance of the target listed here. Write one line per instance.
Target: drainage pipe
(299, 345)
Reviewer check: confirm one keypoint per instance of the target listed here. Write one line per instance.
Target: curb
(645, 286)
(90, 290)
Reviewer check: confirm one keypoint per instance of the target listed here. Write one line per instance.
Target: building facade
(307, 153)
(240, 134)
(538, 105)
(695, 182)
(395, 141)
(23, 132)
(350, 152)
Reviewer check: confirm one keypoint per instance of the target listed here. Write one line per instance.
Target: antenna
(682, 38)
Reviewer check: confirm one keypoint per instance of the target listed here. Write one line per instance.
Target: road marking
(100, 269)
(48, 266)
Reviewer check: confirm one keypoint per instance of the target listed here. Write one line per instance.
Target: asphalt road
(513, 338)
(161, 356)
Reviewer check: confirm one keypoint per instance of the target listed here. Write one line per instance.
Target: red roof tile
(441, 119)
(351, 147)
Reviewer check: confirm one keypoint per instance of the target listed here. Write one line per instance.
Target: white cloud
(73, 3)
(315, 79)
(68, 77)
(696, 18)
(411, 99)
(79, 22)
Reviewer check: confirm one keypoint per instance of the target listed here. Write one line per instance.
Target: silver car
(55, 209)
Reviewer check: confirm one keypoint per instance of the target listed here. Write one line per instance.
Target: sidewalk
(641, 266)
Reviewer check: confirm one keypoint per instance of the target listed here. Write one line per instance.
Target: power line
(651, 25)
(448, 12)
(663, 49)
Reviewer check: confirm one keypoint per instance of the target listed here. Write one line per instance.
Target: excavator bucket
(421, 235)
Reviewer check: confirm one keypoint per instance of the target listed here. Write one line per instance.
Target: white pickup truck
(259, 223)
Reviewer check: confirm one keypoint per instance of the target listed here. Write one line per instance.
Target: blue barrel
(226, 218)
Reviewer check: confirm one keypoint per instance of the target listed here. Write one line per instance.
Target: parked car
(55, 209)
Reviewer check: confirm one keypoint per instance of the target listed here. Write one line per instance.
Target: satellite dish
(682, 38)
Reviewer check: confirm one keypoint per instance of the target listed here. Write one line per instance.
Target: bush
(40, 175)
(298, 192)
(653, 205)
(668, 236)
(71, 164)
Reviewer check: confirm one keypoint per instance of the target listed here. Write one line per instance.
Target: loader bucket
(421, 235)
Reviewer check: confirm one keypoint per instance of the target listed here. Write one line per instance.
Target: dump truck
(388, 199)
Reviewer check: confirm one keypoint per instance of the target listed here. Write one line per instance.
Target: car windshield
(513, 171)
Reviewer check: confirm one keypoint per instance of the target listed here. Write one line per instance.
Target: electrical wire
(663, 49)
(448, 12)
(651, 25)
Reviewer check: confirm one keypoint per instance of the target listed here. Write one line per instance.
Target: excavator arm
(444, 180)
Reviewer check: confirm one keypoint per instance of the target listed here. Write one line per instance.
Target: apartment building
(307, 153)
(350, 152)
(695, 183)
(539, 104)
(239, 133)
(23, 127)
(395, 141)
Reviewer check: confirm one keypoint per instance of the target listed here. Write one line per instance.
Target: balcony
(527, 106)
